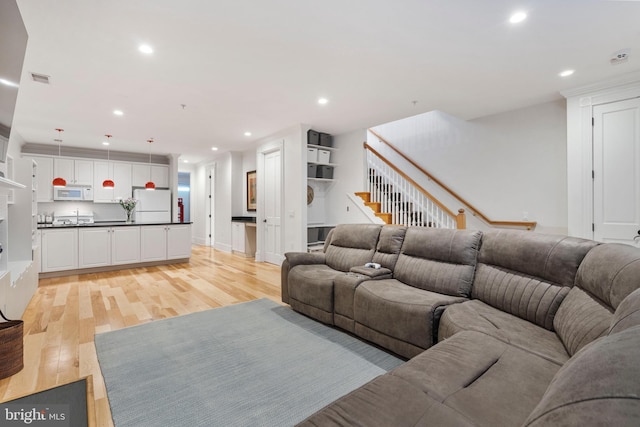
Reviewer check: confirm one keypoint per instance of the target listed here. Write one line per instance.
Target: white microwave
(73, 192)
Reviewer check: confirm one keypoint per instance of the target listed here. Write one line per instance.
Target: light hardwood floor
(66, 312)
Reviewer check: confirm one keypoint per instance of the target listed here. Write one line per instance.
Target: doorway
(184, 196)
(616, 172)
(270, 203)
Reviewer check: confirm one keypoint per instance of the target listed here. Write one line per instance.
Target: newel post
(461, 220)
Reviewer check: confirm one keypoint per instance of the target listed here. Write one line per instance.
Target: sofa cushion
(627, 314)
(598, 386)
(389, 245)
(475, 315)
(581, 319)
(313, 288)
(610, 272)
(481, 377)
(523, 296)
(469, 379)
(351, 245)
(439, 260)
(344, 289)
(390, 313)
(524, 273)
(387, 401)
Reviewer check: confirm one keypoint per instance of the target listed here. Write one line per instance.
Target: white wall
(350, 178)
(511, 166)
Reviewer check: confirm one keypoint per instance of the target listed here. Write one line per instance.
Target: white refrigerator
(152, 206)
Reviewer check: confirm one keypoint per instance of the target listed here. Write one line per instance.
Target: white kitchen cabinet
(161, 242)
(59, 249)
(44, 178)
(141, 174)
(119, 173)
(94, 247)
(178, 241)
(125, 245)
(237, 237)
(153, 243)
(103, 246)
(76, 172)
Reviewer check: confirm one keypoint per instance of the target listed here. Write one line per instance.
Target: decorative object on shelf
(252, 201)
(150, 185)
(310, 194)
(58, 181)
(108, 183)
(11, 347)
(128, 205)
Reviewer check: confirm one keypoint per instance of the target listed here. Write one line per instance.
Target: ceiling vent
(619, 57)
(40, 78)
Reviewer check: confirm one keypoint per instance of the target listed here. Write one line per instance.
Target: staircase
(396, 199)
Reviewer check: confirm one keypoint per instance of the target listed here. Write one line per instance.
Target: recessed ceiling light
(145, 48)
(8, 83)
(105, 142)
(214, 148)
(118, 112)
(247, 134)
(566, 73)
(322, 101)
(185, 161)
(517, 17)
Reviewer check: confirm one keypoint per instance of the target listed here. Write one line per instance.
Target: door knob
(264, 220)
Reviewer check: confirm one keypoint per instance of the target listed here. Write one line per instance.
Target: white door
(59, 249)
(211, 207)
(153, 243)
(272, 207)
(616, 172)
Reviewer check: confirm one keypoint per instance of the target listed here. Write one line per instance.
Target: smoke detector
(619, 57)
(40, 78)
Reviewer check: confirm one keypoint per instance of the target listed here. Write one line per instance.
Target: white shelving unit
(317, 226)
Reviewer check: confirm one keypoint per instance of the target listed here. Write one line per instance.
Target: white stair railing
(407, 203)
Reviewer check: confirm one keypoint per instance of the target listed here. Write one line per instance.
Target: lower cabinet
(76, 248)
(59, 249)
(99, 247)
(160, 242)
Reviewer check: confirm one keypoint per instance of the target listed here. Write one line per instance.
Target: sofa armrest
(304, 258)
(291, 260)
(373, 273)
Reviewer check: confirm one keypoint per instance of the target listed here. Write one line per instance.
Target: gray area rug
(250, 364)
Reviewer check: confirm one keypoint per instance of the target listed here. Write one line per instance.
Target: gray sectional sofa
(502, 328)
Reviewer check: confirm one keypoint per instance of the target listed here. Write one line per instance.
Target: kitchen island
(101, 246)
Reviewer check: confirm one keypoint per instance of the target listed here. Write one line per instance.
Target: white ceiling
(260, 66)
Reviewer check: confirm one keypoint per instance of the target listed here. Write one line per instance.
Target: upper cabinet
(77, 172)
(159, 174)
(119, 173)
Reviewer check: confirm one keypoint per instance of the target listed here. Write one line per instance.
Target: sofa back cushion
(439, 260)
(597, 386)
(389, 245)
(527, 274)
(352, 245)
(627, 314)
(608, 274)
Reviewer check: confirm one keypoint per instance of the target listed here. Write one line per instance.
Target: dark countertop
(109, 224)
(243, 219)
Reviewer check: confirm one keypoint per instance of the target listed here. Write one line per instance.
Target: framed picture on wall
(252, 201)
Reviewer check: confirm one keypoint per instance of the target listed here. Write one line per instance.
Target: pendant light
(59, 182)
(150, 185)
(108, 183)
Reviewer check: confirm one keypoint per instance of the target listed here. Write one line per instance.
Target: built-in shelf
(323, 164)
(321, 179)
(7, 183)
(322, 147)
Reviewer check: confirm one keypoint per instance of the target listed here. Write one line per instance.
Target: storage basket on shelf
(11, 347)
